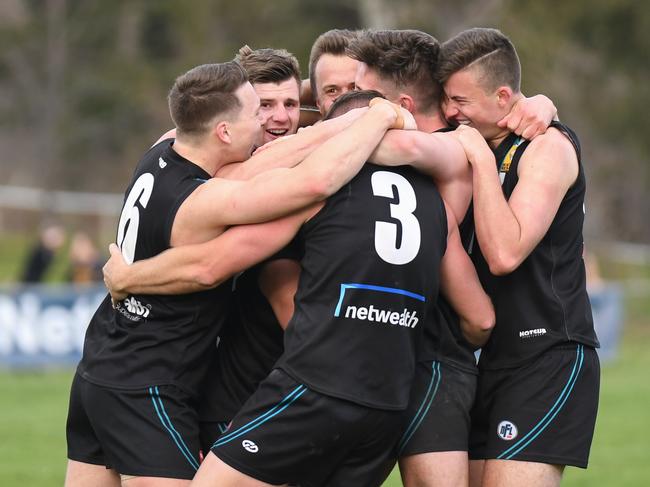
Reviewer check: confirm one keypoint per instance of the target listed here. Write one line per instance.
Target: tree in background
(84, 84)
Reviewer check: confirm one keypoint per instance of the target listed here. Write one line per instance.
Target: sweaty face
(468, 103)
(246, 128)
(280, 107)
(334, 77)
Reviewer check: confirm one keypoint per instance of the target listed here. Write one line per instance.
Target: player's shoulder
(550, 157)
(554, 139)
(554, 145)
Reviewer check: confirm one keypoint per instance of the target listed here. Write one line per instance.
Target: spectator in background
(85, 261)
(41, 255)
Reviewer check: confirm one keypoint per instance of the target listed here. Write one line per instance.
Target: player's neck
(199, 155)
(501, 134)
(496, 139)
(429, 122)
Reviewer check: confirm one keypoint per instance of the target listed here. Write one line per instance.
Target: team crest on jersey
(161, 163)
(507, 430)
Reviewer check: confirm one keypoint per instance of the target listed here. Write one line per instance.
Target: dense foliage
(84, 83)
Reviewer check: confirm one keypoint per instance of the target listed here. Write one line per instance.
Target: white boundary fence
(66, 202)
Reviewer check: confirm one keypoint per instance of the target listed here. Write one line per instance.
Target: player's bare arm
(290, 150)
(508, 230)
(198, 267)
(438, 155)
(278, 282)
(219, 202)
(530, 117)
(460, 284)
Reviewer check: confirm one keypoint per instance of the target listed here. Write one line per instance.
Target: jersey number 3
(386, 243)
(127, 229)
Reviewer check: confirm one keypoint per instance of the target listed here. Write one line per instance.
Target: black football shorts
(151, 432)
(287, 433)
(438, 415)
(544, 411)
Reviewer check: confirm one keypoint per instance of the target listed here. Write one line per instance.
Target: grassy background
(34, 405)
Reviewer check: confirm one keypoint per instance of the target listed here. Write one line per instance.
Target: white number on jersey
(127, 237)
(383, 183)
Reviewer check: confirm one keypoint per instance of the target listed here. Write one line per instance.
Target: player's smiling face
(468, 103)
(247, 126)
(334, 77)
(280, 107)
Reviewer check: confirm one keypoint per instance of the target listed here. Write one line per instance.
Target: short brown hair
(408, 57)
(333, 42)
(351, 100)
(268, 65)
(488, 49)
(203, 93)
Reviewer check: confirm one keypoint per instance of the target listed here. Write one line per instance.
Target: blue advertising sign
(45, 325)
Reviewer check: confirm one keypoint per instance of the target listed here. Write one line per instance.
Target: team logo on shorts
(507, 430)
(249, 446)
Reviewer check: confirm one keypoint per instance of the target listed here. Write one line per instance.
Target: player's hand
(529, 117)
(474, 144)
(115, 267)
(409, 120)
(404, 119)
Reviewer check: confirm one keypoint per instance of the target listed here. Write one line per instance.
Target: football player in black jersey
(385, 448)
(339, 426)
(132, 405)
(252, 338)
(401, 64)
(538, 385)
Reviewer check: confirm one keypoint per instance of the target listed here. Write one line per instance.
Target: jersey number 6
(127, 237)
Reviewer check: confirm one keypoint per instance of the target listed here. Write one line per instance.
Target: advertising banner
(45, 325)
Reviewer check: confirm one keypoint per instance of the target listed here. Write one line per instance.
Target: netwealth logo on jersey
(405, 318)
(136, 307)
(375, 314)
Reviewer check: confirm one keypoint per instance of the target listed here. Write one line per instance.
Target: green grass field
(33, 406)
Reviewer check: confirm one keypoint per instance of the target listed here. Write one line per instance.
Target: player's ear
(222, 131)
(504, 94)
(406, 101)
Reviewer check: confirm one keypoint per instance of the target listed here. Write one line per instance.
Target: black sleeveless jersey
(150, 339)
(370, 277)
(250, 345)
(544, 301)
